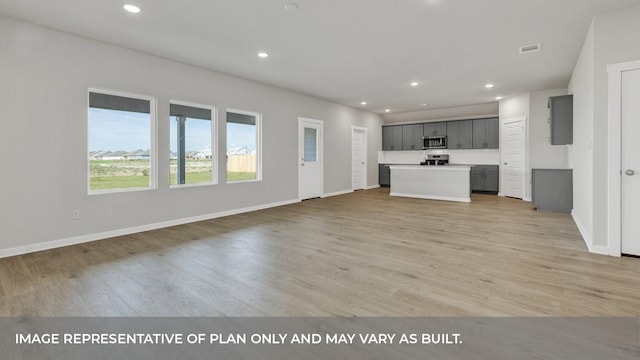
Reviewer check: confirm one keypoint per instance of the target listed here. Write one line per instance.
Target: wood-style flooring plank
(364, 254)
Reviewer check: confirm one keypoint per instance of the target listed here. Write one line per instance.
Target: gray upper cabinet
(412, 137)
(387, 138)
(397, 138)
(486, 133)
(561, 119)
(493, 133)
(460, 134)
(435, 129)
(392, 137)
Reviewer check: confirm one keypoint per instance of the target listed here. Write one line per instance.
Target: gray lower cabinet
(384, 175)
(460, 134)
(412, 137)
(561, 119)
(435, 129)
(486, 133)
(484, 178)
(552, 189)
(392, 137)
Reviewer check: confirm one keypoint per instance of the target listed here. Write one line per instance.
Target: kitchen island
(443, 182)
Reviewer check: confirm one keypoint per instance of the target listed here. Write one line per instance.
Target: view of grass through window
(191, 158)
(119, 142)
(242, 140)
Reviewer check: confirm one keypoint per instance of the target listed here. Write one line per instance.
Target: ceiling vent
(529, 49)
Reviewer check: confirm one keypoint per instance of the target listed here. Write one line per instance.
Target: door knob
(302, 164)
(630, 172)
(505, 163)
(363, 163)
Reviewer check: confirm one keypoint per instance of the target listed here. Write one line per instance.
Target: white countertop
(431, 167)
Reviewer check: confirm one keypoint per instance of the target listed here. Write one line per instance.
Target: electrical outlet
(75, 214)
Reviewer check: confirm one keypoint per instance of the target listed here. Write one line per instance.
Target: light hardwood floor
(362, 254)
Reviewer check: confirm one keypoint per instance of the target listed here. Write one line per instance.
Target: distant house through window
(120, 154)
(243, 146)
(192, 145)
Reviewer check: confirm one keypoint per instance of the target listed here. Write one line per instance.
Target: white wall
(454, 113)
(461, 157)
(45, 76)
(582, 88)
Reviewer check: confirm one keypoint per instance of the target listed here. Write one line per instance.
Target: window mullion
(181, 156)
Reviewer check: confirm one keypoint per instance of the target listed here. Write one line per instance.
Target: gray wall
(616, 38)
(541, 153)
(45, 76)
(454, 113)
(581, 86)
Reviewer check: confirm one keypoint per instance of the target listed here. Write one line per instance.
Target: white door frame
(524, 154)
(614, 213)
(320, 151)
(363, 130)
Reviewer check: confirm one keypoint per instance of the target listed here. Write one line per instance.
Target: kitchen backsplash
(471, 157)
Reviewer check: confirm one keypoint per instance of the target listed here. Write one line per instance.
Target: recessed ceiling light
(291, 6)
(414, 84)
(363, 103)
(424, 104)
(498, 97)
(489, 86)
(134, 9)
(387, 110)
(263, 55)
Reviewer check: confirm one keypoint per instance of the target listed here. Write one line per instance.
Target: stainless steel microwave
(434, 142)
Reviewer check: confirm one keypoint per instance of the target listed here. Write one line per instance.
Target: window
(310, 144)
(243, 146)
(121, 147)
(192, 145)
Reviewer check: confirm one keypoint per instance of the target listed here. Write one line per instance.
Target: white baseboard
(336, 193)
(526, 199)
(595, 249)
(372, 187)
(132, 230)
(601, 250)
(431, 197)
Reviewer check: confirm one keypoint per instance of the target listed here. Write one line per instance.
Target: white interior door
(630, 186)
(513, 159)
(310, 174)
(359, 158)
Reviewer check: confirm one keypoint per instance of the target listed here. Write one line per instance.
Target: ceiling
(349, 51)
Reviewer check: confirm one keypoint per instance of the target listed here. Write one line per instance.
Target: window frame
(153, 134)
(258, 117)
(214, 144)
